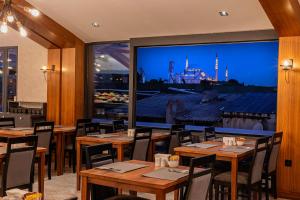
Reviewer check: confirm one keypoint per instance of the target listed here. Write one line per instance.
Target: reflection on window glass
(227, 85)
(8, 75)
(111, 71)
(1, 77)
(11, 74)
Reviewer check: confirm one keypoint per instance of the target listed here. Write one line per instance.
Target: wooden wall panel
(288, 118)
(284, 15)
(53, 86)
(68, 86)
(79, 80)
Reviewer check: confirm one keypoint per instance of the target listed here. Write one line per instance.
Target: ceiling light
(95, 24)
(223, 13)
(3, 27)
(8, 16)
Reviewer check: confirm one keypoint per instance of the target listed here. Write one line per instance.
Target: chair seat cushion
(226, 177)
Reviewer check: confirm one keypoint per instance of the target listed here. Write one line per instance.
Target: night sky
(252, 63)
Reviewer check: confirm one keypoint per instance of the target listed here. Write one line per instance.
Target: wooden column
(288, 118)
(66, 85)
(54, 86)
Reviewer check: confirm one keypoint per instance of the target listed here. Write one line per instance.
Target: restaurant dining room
(145, 100)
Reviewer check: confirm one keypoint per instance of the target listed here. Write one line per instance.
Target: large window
(111, 71)
(8, 75)
(230, 85)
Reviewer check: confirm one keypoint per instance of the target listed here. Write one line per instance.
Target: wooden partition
(66, 85)
(288, 118)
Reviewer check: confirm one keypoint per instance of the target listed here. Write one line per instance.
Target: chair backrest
(92, 128)
(184, 137)
(257, 164)
(19, 162)
(209, 133)
(98, 155)
(199, 180)
(141, 143)
(173, 140)
(8, 122)
(44, 131)
(80, 126)
(37, 118)
(118, 125)
(273, 152)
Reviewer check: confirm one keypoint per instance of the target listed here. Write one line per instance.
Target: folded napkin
(202, 145)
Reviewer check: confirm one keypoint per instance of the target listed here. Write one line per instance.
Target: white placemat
(202, 145)
(122, 167)
(236, 149)
(166, 173)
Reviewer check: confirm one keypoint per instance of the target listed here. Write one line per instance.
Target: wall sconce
(288, 64)
(45, 69)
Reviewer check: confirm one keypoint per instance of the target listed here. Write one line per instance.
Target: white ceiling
(124, 19)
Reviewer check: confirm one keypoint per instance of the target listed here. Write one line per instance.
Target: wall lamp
(287, 64)
(45, 69)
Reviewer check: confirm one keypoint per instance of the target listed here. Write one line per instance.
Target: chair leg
(70, 159)
(216, 191)
(267, 191)
(74, 161)
(222, 192)
(211, 192)
(259, 191)
(229, 193)
(49, 166)
(274, 185)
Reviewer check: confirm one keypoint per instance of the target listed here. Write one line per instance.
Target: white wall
(31, 84)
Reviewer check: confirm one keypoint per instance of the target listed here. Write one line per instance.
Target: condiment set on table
(166, 160)
(233, 141)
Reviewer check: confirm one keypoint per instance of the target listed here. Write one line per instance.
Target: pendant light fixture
(8, 16)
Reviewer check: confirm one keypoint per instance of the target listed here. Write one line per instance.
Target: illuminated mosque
(193, 75)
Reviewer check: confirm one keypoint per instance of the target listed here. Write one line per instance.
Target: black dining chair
(209, 133)
(246, 181)
(92, 129)
(98, 155)
(19, 163)
(44, 131)
(184, 137)
(7, 122)
(271, 165)
(118, 125)
(200, 178)
(70, 149)
(169, 144)
(141, 144)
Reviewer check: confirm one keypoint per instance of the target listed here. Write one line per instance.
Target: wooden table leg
(160, 196)
(78, 163)
(84, 189)
(234, 172)
(176, 194)
(120, 152)
(58, 153)
(41, 174)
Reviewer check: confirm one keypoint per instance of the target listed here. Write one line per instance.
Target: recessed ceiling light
(223, 13)
(95, 24)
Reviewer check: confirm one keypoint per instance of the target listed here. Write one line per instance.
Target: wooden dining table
(132, 181)
(120, 141)
(40, 153)
(60, 133)
(233, 157)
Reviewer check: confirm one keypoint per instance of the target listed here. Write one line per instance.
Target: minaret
(226, 74)
(217, 68)
(186, 64)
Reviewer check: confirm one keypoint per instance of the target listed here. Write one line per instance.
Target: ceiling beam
(43, 29)
(284, 15)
